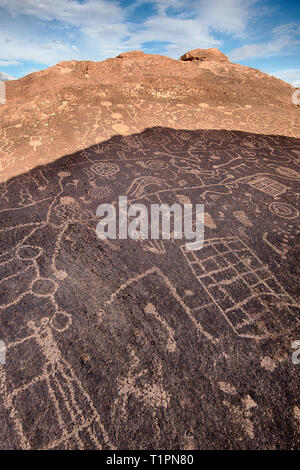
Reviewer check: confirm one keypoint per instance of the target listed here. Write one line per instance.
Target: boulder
(130, 54)
(204, 55)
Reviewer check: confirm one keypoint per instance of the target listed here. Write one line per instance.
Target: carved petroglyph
(65, 394)
(170, 335)
(240, 285)
(268, 186)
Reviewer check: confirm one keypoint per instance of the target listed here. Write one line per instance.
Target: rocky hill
(74, 105)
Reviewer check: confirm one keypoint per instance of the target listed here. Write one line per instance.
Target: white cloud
(288, 75)
(48, 31)
(95, 30)
(20, 48)
(188, 24)
(67, 11)
(230, 16)
(284, 39)
(161, 5)
(180, 34)
(7, 63)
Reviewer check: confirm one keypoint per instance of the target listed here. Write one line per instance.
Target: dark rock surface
(142, 344)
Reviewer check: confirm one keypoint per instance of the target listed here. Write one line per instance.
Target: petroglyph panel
(243, 288)
(135, 343)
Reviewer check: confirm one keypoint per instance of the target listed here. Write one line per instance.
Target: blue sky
(264, 34)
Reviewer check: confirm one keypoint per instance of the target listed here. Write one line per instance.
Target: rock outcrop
(204, 55)
(131, 54)
(73, 105)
